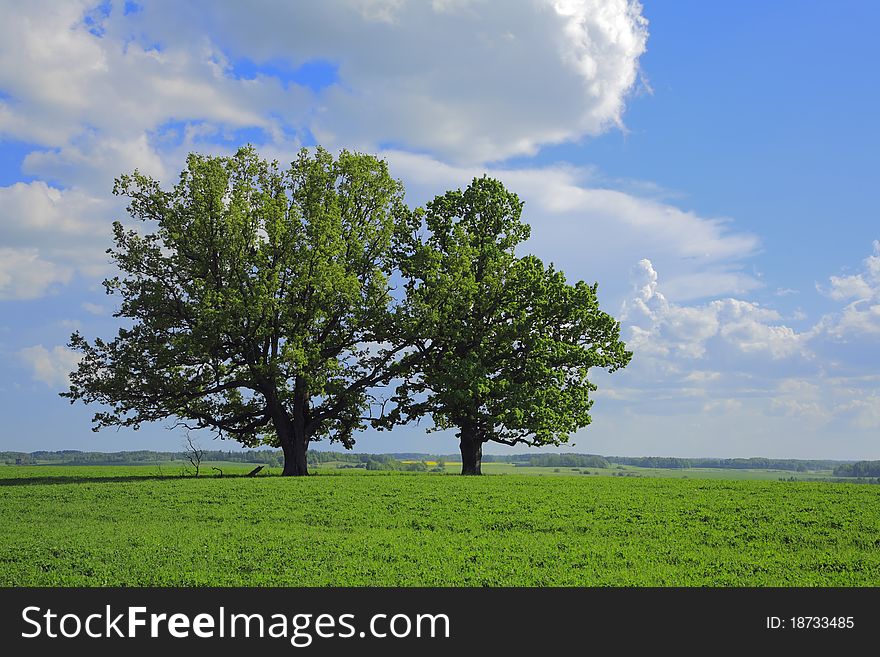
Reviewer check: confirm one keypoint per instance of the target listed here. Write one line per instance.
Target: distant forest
(858, 469)
(415, 461)
(755, 463)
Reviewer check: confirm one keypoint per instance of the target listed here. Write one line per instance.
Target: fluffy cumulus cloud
(48, 234)
(660, 327)
(68, 79)
(51, 366)
(861, 315)
(35, 208)
(704, 369)
(25, 275)
(469, 81)
(448, 77)
(94, 95)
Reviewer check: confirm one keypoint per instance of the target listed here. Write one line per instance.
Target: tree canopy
(502, 345)
(260, 305)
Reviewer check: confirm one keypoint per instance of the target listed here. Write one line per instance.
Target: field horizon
(219, 462)
(4, 454)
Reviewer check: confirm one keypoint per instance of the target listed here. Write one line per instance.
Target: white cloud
(848, 287)
(799, 398)
(470, 82)
(858, 318)
(520, 75)
(723, 406)
(67, 83)
(865, 412)
(400, 79)
(702, 376)
(25, 275)
(747, 326)
(861, 317)
(93, 308)
(384, 11)
(51, 367)
(823, 399)
(48, 234)
(451, 6)
(698, 237)
(96, 162)
(661, 328)
(792, 387)
(27, 209)
(97, 103)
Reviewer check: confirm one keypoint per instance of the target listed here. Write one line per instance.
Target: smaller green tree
(502, 345)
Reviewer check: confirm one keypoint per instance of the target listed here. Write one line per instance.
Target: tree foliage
(259, 307)
(858, 469)
(502, 345)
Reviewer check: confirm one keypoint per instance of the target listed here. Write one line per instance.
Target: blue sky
(712, 165)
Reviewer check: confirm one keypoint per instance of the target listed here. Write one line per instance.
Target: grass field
(101, 525)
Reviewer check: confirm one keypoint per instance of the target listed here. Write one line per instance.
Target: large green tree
(259, 306)
(502, 345)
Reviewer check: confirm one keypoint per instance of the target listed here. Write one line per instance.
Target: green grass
(92, 526)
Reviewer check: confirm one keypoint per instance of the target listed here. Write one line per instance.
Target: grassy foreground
(99, 526)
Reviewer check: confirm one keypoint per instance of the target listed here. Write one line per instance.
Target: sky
(711, 165)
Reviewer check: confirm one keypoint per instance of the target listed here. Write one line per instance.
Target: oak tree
(503, 345)
(256, 304)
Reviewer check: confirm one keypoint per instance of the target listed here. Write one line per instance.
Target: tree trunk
(295, 463)
(292, 435)
(294, 446)
(471, 451)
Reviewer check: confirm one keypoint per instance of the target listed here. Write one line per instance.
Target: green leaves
(258, 303)
(249, 298)
(504, 343)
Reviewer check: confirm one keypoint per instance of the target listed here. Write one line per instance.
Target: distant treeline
(418, 462)
(756, 463)
(269, 457)
(858, 469)
(274, 458)
(561, 460)
(73, 457)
